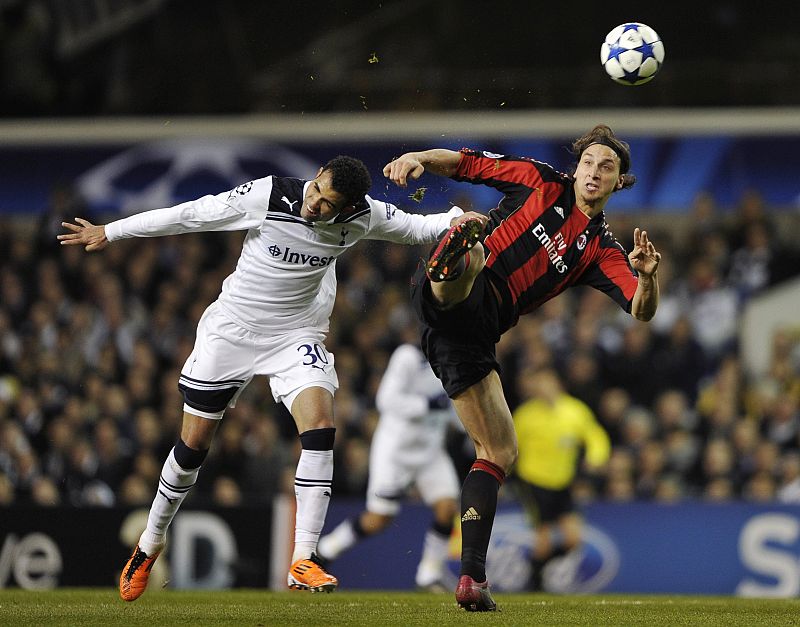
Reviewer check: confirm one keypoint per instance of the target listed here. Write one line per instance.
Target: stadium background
(110, 108)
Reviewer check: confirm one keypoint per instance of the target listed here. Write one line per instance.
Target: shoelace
(138, 559)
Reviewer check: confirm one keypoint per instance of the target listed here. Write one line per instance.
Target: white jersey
(408, 444)
(413, 430)
(285, 278)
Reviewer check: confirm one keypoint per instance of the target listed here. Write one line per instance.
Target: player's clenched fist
(404, 166)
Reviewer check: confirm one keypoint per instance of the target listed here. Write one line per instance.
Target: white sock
(434, 555)
(337, 541)
(173, 486)
(312, 489)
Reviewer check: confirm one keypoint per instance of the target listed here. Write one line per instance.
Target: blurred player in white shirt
(408, 450)
(271, 319)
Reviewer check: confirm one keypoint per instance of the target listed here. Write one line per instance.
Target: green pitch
(251, 607)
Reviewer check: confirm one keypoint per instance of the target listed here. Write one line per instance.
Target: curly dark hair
(602, 134)
(349, 177)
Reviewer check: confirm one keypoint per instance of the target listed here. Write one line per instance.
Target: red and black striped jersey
(538, 241)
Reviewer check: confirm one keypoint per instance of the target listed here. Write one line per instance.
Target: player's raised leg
(447, 261)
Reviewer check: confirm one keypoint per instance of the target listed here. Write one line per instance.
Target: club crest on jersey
(241, 190)
(582, 241)
(344, 234)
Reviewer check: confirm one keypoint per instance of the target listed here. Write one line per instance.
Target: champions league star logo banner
(124, 178)
(687, 548)
(590, 568)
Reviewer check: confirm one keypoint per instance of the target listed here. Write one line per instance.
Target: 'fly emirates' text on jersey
(538, 241)
(286, 277)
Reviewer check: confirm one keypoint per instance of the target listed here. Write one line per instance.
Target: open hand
(644, 257)
(84, 233)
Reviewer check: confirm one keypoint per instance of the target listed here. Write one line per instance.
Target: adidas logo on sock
(470, 514)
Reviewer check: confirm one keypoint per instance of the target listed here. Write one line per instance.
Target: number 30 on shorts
(313, 355)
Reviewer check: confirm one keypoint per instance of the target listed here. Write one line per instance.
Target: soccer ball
(632, 53)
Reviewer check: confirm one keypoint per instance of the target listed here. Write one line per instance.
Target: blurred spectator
(673, 412)
(751, 210)
(751, 263)
(614, 405)
(712, 309)
(44, 492)
(719, 489)
(64, 203)
(782, 422)
(582, 380)
(620, 488)
(638, 428)
(651, 462)
(136, 491)
(265, 462)
(682, 450)
(745, 439)
(678, 359)
(630, 368)
(760, 488)
(7, 496)
(669, 489)
(718, 461)
(789, 485)
(226, 492)
(705, 218)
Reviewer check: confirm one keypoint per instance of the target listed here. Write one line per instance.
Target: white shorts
(392, 473)
(226, 357)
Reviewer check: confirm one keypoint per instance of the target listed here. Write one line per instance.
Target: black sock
(535, 581)
(442, 530)
(478, 507)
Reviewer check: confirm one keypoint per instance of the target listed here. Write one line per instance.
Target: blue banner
(128, 178)
(688, 548)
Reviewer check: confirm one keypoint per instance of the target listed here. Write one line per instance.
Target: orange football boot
(133, 580)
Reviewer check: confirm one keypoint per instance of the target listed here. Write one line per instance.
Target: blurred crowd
(91, 346)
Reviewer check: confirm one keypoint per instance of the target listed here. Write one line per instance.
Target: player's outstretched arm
(84, 233)
(412, 165)
(644, 258)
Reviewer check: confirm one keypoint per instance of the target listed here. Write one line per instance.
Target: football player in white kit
(270, 318)
(408, 450)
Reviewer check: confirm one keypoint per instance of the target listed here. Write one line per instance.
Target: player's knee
(506, 456)
(188, 458)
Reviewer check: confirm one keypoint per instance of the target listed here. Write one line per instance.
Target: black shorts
(459, 343)
(544, 505)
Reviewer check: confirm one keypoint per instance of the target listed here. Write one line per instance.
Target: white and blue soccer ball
(632, 53)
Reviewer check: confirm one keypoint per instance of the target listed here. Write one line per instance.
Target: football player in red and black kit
(548, 233)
